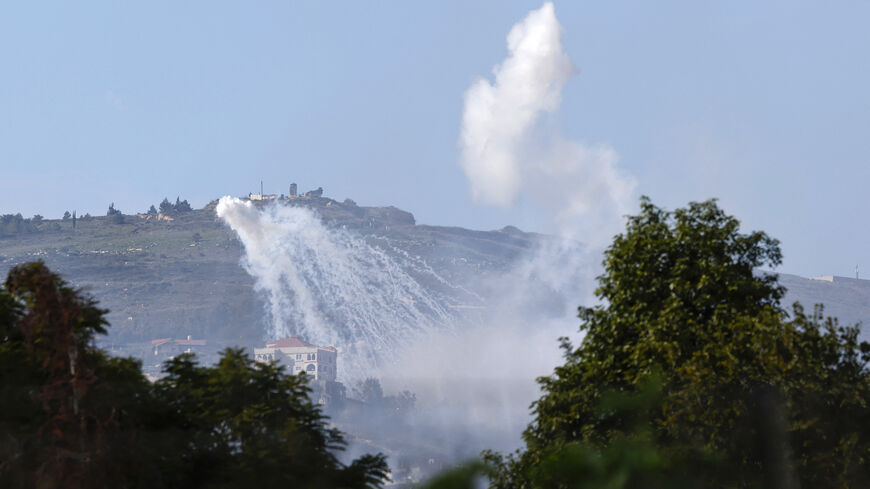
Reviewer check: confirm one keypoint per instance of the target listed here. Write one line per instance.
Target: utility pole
(856, 272)
(261, 188)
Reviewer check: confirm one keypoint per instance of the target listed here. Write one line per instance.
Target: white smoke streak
(332, 288)
(504, 155)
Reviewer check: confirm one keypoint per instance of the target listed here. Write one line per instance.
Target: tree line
(16, 224)
(72, 416)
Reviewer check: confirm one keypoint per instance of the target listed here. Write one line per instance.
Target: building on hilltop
(261, 197)
(300, 356)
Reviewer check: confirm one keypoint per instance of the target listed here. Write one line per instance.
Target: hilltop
(179, 273)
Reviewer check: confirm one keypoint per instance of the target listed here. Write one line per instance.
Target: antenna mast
(261, 188)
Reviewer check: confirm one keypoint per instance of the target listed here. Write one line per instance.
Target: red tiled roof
(160, 341)
(293, 342)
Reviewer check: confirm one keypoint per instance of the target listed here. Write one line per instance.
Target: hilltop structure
(300, 356)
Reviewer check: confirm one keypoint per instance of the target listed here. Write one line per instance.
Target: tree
(152, 210)
(166, 206)
(254, 425)
(64, 417)
(36, 219)
(370, 391)
(15, 224)
(681, 294)
(73, 417)
(181, 205)
(66, 215)
(115, 215)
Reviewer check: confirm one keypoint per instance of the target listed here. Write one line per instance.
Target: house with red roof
(300, 356)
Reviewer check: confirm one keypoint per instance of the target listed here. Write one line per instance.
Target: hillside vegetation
(179, 273)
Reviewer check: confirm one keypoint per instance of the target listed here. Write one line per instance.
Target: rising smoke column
(332, 287)
(504, 151)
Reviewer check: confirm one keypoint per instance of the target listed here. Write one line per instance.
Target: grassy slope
(157, 282)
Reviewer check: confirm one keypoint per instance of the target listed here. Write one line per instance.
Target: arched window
(311, 367)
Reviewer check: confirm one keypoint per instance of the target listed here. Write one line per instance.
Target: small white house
(299, 356)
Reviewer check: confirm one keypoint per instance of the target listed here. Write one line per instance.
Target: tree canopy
(73, 417)
(682, 294)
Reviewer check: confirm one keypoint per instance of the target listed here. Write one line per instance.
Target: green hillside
(180, 274)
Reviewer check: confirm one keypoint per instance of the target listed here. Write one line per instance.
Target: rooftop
(292, 342)
(295, 342)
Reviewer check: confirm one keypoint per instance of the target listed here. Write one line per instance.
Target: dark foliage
(73, 417)
(680, 294)
(166, 207)
(13, 224)
(182, 205)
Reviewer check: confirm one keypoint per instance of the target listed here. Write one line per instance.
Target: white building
(262, 196)
(299, 356)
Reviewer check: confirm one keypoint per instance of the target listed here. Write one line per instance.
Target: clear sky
(765, 105)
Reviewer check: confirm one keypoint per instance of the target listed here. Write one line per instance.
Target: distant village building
(318, 192)
(261, 196)
(171, 347)
(299, 356)
(292, 190)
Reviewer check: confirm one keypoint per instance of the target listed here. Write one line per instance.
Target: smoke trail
(331, 287)
(505, 153)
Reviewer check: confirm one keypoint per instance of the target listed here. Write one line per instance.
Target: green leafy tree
(254, 425)
(36, 219)
(152, 210)
(73, 417)
(66, 215)
(65, 408)
(681, 294)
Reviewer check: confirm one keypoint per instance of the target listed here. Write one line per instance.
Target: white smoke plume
(331, 287)
(505, 153)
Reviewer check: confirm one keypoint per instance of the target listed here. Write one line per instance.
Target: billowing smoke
(333, 288)
(505, 152)
(511, 154)
(474, 376)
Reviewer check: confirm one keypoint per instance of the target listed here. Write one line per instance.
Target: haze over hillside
(180, 274)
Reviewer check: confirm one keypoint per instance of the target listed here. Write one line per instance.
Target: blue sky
(766, 107)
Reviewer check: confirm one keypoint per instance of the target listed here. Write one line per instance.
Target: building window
(311, 367)
(298, 356)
